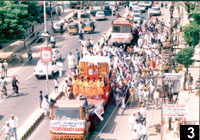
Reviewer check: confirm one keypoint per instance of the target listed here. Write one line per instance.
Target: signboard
(46, 54)
(67, 126)
(175, 110)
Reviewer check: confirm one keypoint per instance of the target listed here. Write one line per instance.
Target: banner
(175, 110)
(67, 126)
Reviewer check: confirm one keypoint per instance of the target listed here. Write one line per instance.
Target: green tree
(15, 18)
(184, 58)
(192, 33)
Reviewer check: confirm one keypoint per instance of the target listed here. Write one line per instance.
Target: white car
(56, 26)
(137, 18)
(56, 55)
(41, 70)
(155, 11)
(142, 7)
(136, 11)
(148, 4)
(133, 5)
(100, 15)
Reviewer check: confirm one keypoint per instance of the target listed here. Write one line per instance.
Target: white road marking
(29, 76)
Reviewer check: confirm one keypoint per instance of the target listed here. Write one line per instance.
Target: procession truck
(73, 118)
(121, 31)
(69, 120)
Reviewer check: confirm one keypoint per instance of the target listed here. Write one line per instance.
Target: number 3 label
(191, 129)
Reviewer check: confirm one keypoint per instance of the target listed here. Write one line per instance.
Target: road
(27, 102)
(113, 125)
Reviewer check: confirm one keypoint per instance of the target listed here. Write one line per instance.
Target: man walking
(60, 67)
(56, 85)
(45, 106)
(5, 68)
(3, 85)
(144, 132)
(8, 132)
(13, 124)
(71, 60)
(190, 82)
(78, 56)
(41, 98)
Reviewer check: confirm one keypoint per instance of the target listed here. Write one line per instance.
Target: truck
(121, 31)
(69, 120)
(74, 118)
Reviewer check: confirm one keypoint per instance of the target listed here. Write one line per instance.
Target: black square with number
(189, 132)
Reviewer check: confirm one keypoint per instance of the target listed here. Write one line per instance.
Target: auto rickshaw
(88, 27)
(73, 29)
(84, 16)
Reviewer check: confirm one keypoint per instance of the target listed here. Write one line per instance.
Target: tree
(15, 18)
(192, 33)
(184, 58)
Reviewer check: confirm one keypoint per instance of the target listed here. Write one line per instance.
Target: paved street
(29, 86)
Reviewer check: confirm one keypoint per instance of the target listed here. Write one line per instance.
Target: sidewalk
(191, 100)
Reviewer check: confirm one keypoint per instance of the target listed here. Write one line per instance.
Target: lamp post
(46, 41)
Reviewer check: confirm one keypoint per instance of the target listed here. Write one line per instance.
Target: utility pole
(171, 48)
(162, 101)
(171, 36)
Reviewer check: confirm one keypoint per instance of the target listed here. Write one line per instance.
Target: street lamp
(46, 35)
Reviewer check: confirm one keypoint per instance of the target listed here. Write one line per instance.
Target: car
(142, 7)
(56, 55)
(56, 26)
(136, 11)
(137, 18)
(155, 11)
(133, 5)
(40, 70)
(148, 4)
(100, 15)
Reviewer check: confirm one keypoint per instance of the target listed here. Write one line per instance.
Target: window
(156, 8)
(125, 29)
(116, 29)
(63, 113)
(85, 16)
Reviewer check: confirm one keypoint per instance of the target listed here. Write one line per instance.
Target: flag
(99, 110)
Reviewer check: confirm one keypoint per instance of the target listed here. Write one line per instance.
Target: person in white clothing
(144, 132)
(8, 132)
(60, 68)
(132, 121)
(138, 128)
(135, 135)
(5, 68)
(45, 106)
(71, 60)
(156, 98)
(13, 124)
(176, 125)
(143, 110)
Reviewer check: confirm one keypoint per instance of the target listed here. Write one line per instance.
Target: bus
(121, 32)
